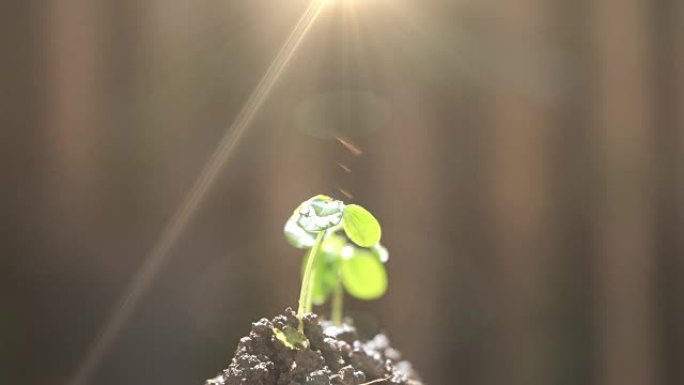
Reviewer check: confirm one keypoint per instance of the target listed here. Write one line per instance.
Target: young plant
(344, 254)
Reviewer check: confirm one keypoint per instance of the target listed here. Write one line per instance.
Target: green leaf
(361, 226)
(319, 213)
(296, 235)
(291, 337)
(333, 244)
(325, 279)
(363, 275)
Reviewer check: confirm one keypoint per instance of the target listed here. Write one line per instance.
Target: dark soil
(336, 356)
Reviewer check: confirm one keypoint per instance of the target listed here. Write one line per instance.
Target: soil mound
(335, 356)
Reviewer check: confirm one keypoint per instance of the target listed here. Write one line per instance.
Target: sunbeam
(175, 227)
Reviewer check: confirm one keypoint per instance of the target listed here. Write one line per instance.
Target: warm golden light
(188, 207)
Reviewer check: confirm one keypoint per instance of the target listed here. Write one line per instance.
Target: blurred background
(526, 160)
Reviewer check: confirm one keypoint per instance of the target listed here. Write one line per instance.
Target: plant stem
(337, 303)
(307, 280)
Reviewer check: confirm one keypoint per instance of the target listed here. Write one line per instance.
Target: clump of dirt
(335, 356)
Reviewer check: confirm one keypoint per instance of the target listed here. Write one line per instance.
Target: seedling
(344, 253)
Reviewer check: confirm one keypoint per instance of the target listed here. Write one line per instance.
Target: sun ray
(188, 207)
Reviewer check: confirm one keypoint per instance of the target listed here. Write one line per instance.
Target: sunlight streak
(171, 233)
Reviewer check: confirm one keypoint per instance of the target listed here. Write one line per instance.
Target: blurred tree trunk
(676, 335)
(519, 177)
(404, 178)
(75, 100)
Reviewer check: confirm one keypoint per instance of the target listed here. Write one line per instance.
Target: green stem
(337, 304)
(307, 281)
